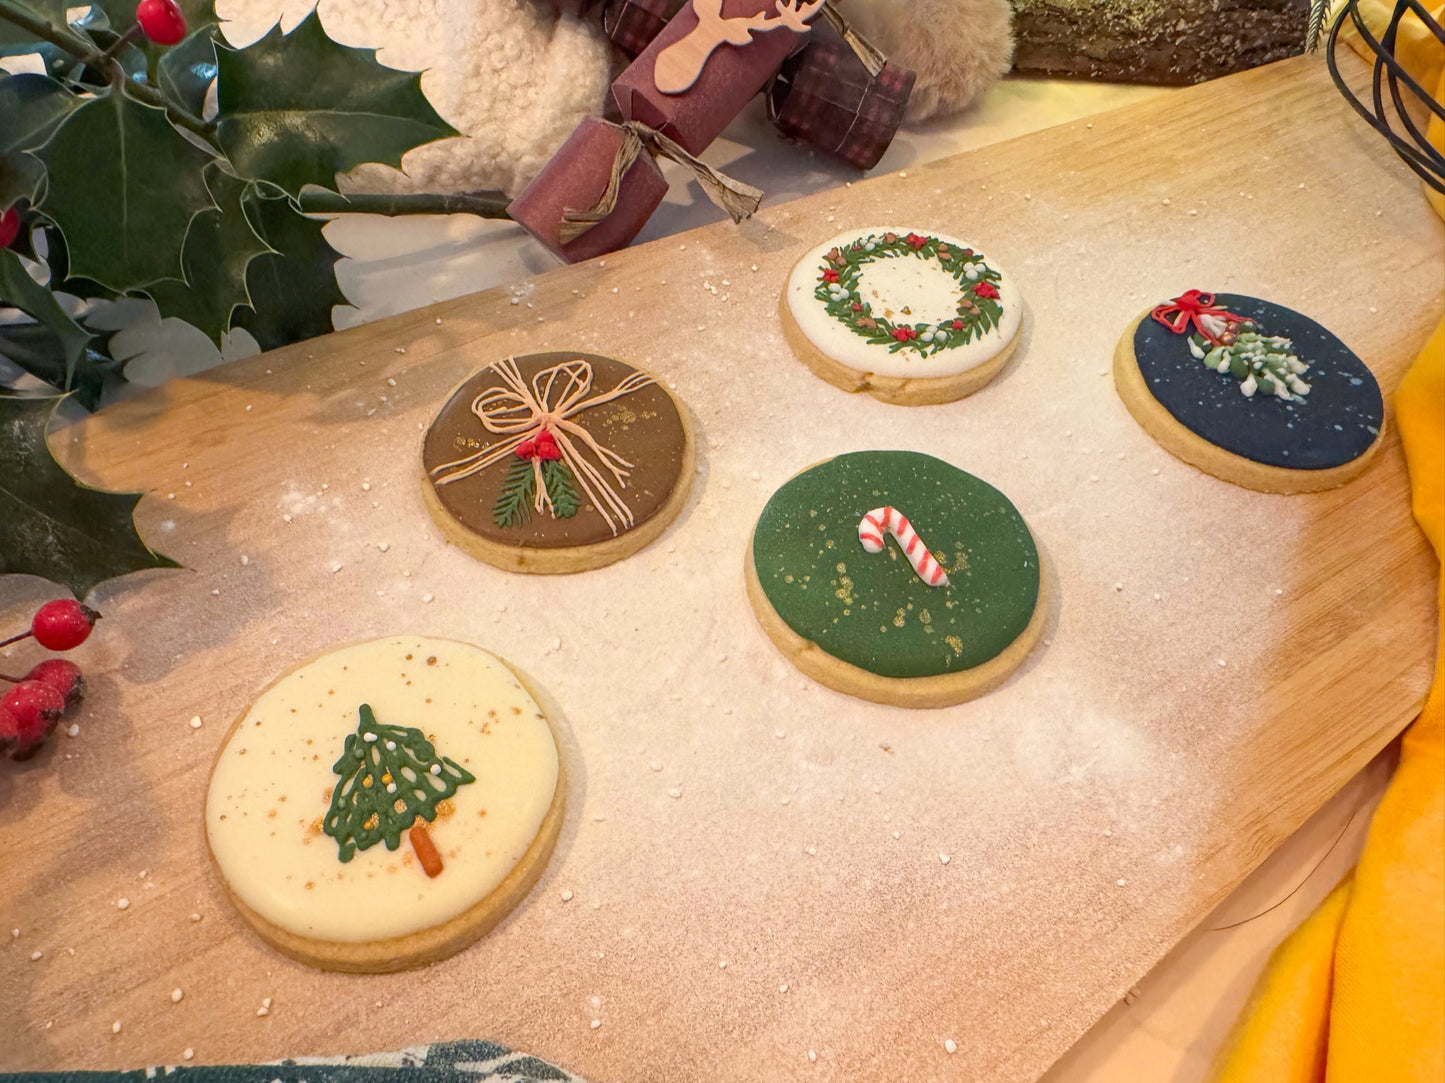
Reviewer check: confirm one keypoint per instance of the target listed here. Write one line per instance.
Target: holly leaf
(37, 350)
(31, 108)
(14, 40)
(298, 108)
(219, 246)
(187, 70)
(50, 524)
(20, 178)
(57, 258)
(123, 187)
(293, 289)
(19, 290)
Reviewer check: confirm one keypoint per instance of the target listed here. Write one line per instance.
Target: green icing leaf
(298, 108)
(220, 245)
(38, 350)
(124, 186)
(514, 506)
(293, 290)
(561, 488)
(21, 291)
(382, 767)
(50, 524)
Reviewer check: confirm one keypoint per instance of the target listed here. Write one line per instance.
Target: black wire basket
(1391, 112)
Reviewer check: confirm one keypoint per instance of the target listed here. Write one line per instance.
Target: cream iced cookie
(557, 462)
(384, 805)
(1251, 392)
(898, 578)
(911, 318)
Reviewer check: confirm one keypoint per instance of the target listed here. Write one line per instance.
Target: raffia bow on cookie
(522, 413)
(739, 200)
(1193, 306)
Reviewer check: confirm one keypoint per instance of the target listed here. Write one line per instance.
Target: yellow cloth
(1356, 994)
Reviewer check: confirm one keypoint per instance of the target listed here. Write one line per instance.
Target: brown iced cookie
(557, 462)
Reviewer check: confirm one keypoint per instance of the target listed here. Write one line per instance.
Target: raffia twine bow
(519, 412)
(739, 200)
(1195, 307)
(872, 58)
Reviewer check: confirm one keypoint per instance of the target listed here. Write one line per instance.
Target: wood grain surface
(839, 888)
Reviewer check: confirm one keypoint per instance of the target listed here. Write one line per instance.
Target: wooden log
(1163, 42)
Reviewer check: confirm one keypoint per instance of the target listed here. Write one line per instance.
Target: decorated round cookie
(557, 462)
(386, 804)
(896, 577)
(910, 318)
(1251, 392)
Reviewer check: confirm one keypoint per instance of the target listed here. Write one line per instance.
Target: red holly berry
(63, 624)
(526, 449)
(37, 708)
(62, 675)
(916, 241)
(857, 308)
(957, 325)
(903, 334)
(548, 452)
(9, 732)
(161, 20)
(985, 289)
(9, 227)
(830, 275)
(546, 437)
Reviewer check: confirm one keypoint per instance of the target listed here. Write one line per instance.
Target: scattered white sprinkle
(115, 1027)
(674, 792)
(1157, 597)
(722, 964)
(1193, 213)
(812, 1055)
(779, 734)
(811, 851)
(595, 1024)
(245, 560)
(949, 1045)
(286, 518)
(176, 995)
(1301, 184)
(1108, 834)
(787, 800)
(755, 266)
(265, 1002)
(1165, 201)
(195, 916)
(216, 593)
(1278, 591)
(383, 546)
(122, 903)
(263, 1011)
(566, 894)
(895, 834)
(427, 597)
(36, 955)
(1222, 662)
(783, 988)
(944, 858)
(336, 566)
(1118, 586)
(188, 1054)
(1121, 881)
(1089, 125)
(74, 729)
(15, 934)
(366, 486)
(655, 765)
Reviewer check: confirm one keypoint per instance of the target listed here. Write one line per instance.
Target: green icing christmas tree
(390, 776)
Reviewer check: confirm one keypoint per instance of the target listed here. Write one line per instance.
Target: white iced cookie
(911, 318)
(385, 804)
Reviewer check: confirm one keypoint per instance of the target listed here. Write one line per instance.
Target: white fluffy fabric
(959, 48)
(511, 75)
(515, 78)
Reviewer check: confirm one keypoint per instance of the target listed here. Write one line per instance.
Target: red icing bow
(542, 446)
(1198, 308)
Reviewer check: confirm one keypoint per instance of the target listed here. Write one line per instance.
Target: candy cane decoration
(890, 520)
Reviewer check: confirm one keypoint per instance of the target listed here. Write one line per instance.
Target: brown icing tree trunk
(1166, 42)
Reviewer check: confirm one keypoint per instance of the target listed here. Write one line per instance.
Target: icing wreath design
(889, 520)
(1234, 344)
(550, 452)
(977, 311)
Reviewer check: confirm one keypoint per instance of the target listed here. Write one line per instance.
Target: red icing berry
(903, 334)
(9, 732)
(985, 289)
(957, 325)
(916, 241)
(9, 227)
(37, 708)
(830, 275)
(161, 20)
(63, 624)
(548, 452)
(857, 308)
(546, 437)
(62, 675)
(526, 449)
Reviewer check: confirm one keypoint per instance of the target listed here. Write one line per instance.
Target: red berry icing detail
(957, 325)
(548, 452)
(546, 437)
(985, 289)
(63, 624)
(830, 275)
(9, 227)
(161, 20)
(36, 707)
(857, 307)
(62, 675)
(916, 241)
(9, 732)
(903, 334)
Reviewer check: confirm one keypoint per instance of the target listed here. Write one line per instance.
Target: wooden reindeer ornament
(680, 64)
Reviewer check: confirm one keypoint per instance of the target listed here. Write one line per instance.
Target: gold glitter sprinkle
(445, 808)
(954, 643)
(898, 618)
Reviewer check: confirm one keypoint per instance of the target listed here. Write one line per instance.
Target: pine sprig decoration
(561, 488)
(519, 490)
(390, 775)
(1318, 10)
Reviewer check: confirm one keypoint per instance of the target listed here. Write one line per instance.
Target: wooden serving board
(1220, 661)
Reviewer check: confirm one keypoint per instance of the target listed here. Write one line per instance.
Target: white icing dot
(369, 737)
(36, 956)
(176, 995)
(115, 1027)
(436, 768)
(674, 792)
(188, 1054)
(949, 1045)
(944, 858)
(812, 1054)
(566, 894)
(195, 721)
(595, 1023)
(122, 903)
(1121, 881)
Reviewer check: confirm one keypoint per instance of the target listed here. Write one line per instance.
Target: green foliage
(50, 524)
(219, 247)
(297, 109)
(390, 775)
(32, 107)
(37, 302)
(123, 185)
(293, 289)
(519, 490)
(37, 350)
(561, 488)
(15, 40)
